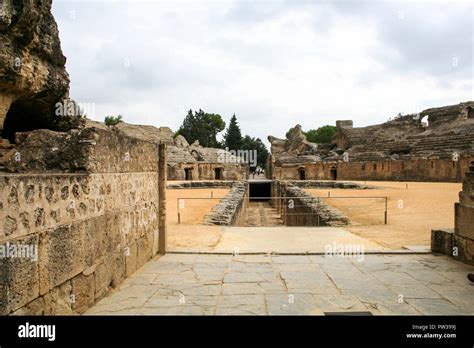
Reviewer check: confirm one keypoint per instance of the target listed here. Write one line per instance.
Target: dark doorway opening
(302, 173)
(333, 173)
(218, 173)
(470, 112)
(25, 116)
(188, 174)
(260, 191)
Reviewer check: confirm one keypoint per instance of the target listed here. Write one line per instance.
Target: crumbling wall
(459, 242)
(207, 171)
(86, 202)
(201, 184)
(418, 169)
(230, 208)
(299, 208)
(400, 149)
(33, 77)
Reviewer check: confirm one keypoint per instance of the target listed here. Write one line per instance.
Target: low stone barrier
(328, 184)
(307, 210)
(201, 184)
(229, 209)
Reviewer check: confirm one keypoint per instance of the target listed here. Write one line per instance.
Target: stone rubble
(228, 209)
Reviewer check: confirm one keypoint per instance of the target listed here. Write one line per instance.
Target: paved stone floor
(278, 240)
(187, 284)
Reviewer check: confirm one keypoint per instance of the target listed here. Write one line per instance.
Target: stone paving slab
(280, 239)
(190, 284)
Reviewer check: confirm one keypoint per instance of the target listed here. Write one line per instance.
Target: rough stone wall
(443, 170)
(459, 242)
(91, 150)
(230, 208)
(32, 66)
(327, 184)
(91, 227)
(304, 209)
(206, 171)
(464, 218)
(401, 149)
(201, 184)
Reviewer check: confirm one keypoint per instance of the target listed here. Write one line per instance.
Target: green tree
(233, 136)
(113, 120)
(214, 124)
(203, 127)
(322, 135)
(249, 143)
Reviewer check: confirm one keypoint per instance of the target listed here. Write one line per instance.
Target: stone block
(83, 292)
(144, 249)
(59, 301)
(464, 248)
(35, 307)
(442, 241)
(102, 280)
(3, 299)
(95, 239)
(131, 255)
(464, 220)
(61, 255)
(19, 279)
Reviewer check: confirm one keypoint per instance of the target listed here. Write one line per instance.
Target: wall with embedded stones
(85, 202)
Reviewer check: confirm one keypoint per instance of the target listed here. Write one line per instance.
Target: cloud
(273, 63)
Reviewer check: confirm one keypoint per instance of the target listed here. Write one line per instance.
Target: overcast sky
(272, 63)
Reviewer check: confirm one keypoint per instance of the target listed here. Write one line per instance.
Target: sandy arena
(412, 213)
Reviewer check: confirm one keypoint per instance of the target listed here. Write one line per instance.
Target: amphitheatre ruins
(132, 219)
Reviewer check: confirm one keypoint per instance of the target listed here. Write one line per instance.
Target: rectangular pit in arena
(260, 190)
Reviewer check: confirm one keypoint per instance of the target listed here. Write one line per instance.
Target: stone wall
(91, 227)
(229, 210)
(405, 148)
(459, 242)
(207, 171)
(441, 170)
(300, 208)
(200, 184)
(314, 184)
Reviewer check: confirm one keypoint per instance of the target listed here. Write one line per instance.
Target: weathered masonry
(460, 242)
(195, 162)
(82, 207)
(434, 145)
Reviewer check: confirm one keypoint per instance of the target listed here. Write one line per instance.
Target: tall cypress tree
(233, 136)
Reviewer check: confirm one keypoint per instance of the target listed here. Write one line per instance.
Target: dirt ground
(412, 212)
(190, 232)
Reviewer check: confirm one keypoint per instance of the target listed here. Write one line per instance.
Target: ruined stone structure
(300, 208)
(230, 208)
(32, 66)
(86, 202)
(402, 149)
(460, 242)
(195, 162)
(185, 161)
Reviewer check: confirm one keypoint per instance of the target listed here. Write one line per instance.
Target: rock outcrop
(32, 66)
(295, 143)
